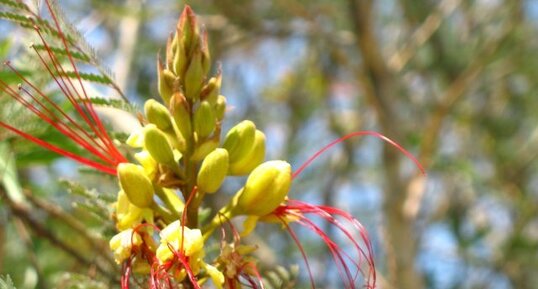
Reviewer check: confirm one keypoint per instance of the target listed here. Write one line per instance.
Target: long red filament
(51, 147)
(60, 72)
(75, 69)
(101, 146)
(52, 120)
(66, 91)
(301, 249)
(354, 134)
(299, 210)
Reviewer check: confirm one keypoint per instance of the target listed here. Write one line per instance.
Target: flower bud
(187, 30)
(171, 44)
(149, 164)
(186, 40)
(175, 237)
(136, 185)
(194, 76)
(239, 140)
(158, 115)
(220, 107)
(204, 48)
(266, 188)
(204, 120)
(122, 244)
(136, 139)
(211, 91)
(181, 116)
(157, 145)
(204, 149)
(252, 159)
(213, 171)
(166, 81)
(180, 60)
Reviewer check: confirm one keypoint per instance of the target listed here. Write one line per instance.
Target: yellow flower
(122, 244)
(148, 163)
(129, 215)
(174, 236)
(216, 276)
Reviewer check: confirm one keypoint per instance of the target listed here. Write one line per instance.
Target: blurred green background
(453, 81)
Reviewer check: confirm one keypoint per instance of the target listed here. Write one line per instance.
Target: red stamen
(75, 99)
(254, 268)
(127, 267)
(354, 134)
(42, 143)
(101, 145)
(301, 249)
(67, 92)
(300, 209)
(186, 266)
(87, 103)
(54, 121)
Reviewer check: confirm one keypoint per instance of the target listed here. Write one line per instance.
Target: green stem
(167, 202)
(167, 215)
(223, 215)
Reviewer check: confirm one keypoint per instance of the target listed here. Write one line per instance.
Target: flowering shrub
(180, 158)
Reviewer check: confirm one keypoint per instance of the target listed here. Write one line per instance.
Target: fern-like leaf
(281, 278)
(14, 4)
(19, 13)
(98, 78)
(114, 103)
(77, 281)
(61, 51)
(6, 283)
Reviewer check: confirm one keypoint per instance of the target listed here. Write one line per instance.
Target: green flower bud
(213, 171)
(136, 185)
(187, 30)
(266, 188)
(194, 76)
(181, 115)
(157, 145)
(203, 149)
(180, 62)
(206, 58)
(252, 159)
(211, 90)
(220, 107)
(239, 140)
(166, 81)
(171, 44)
(158, 115)
(204, 120)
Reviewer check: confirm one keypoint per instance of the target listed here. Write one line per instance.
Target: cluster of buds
(181, 159)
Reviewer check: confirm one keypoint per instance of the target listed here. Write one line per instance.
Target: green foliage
(61, 51)
(115, 103)
(19, 13)
(6, 283)
(78, 281)
(281, 278)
